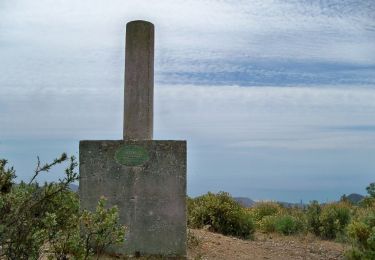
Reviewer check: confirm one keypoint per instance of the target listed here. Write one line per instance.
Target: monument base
(147, 181)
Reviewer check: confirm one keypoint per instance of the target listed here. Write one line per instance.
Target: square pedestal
(147, 181)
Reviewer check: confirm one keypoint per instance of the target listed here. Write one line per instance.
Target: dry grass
(264, 246)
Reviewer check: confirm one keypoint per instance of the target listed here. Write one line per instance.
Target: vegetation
(220, 213)
(342, 221)
(45, 220)
(264, 209)
(333, 219)
(313, 213)
(268, 224)
(371, 190)
(288, 225)
(361, 230)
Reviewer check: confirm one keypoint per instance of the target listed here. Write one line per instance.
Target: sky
(276, 99)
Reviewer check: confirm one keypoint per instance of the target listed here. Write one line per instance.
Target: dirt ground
(207, 245)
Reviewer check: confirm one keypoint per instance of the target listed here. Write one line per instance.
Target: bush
(33, 216)
(263, 209)
(221, 213)
(371, 190)
(267, 224)
(361, 231)
(367, 202)
(333, 220)
(100, 228)
(313, 217)
(288, 225)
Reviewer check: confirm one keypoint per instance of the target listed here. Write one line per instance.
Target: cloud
(352, 128)
(288, 117)
(246, 71)
(197, 42)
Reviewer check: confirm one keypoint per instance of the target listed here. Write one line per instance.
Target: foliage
(221, 213)
(7, 177)
(288, 225)
(333, 220)
(263, 209)
(100, 228)
(344, 199)
(361, 231)
(343, 221)
(268, 224)
(313, 217)
(34, 218)
(371, 190)
(367, 202)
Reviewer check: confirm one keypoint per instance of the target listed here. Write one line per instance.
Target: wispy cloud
(351, 128)
(246, 71)
(230, 42)
(288, 117)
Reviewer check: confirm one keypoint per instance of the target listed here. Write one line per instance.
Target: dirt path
(207, 245)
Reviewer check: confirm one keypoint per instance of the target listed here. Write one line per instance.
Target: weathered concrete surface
(151, 196)
(139, 81)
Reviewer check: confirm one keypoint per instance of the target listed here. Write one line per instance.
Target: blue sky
(275, 98)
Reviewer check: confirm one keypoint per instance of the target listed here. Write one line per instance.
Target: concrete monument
(145, 178)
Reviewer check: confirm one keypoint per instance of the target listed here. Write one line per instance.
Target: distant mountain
(355, 198)
(244, 202)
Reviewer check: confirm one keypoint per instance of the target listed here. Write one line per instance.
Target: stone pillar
(144, 178)
(139, 81)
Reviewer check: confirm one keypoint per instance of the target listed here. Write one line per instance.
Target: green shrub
(361, 231)
(268, 224)
(45, 220)
(100, 229)
(221, 213)
(371, 190)
(333, 220)
(313, 217)
(288, 225)
(367, 202)
(263, 209)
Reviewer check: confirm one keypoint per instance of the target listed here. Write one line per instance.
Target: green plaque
(131, 155)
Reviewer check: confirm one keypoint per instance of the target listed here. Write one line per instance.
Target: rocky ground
(206, 245)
